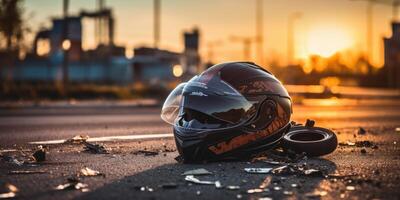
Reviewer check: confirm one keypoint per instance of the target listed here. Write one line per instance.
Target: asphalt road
(374, 173)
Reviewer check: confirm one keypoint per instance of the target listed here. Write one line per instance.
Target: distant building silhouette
(191, 52)
(392, 57)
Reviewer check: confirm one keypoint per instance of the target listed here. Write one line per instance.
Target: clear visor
(206, 105)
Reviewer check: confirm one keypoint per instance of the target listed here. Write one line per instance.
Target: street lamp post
(290, 39)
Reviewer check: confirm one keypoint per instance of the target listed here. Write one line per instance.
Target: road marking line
(112, 138)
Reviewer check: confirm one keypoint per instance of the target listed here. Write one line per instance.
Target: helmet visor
(210, 104)
(170, 109)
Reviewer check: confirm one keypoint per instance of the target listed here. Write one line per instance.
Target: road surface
(374, 174)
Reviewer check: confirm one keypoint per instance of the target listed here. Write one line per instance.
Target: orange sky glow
(324, 28)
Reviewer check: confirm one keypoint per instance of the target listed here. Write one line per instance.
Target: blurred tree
(12, 27)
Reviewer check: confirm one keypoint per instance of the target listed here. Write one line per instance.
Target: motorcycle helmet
(232, 110)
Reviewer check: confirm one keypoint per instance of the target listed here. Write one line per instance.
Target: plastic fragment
(350, 188)
(266, 182)
(258, 170)
(73, 184)
(77, 139)
(218, 184)
(256, 190)
(232, 187)
(95, 148)
(40, 154)
(200, 171)
(12, 190)
(89, 172)
(192, 179)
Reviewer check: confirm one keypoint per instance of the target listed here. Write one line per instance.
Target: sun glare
(327, 41)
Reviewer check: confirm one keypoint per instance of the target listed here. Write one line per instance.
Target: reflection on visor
(170, 109)
(206, 105)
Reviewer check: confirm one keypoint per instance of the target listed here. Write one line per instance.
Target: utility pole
(369, 31)
(260, 31)
(100, 24)
(157, 10)
(65, 50)
(290, 37)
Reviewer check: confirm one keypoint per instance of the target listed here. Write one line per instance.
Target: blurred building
(191, 52)
(106, 62)
(392, 57)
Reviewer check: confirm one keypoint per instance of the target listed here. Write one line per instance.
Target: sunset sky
(325, 26)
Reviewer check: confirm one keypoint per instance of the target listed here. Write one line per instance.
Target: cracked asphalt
(128, 174)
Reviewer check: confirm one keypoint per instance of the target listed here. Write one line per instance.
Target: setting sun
(326, 41)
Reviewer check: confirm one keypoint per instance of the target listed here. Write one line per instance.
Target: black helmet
(230, 111)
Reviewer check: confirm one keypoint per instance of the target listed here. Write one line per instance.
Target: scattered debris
(266, 182)
(12, 160)
(73, 184)
(284, 170)
(232, 187)
(179, 159)
(169, 185)
(361, 131)
(265, 198)
(363, 151)
(294, 185)
(316, 194)
(350, 188)
(26, 172)
(144, 188)
(90, 172)
(277, 188)
(200, 171)
(77, 139)
(191, 178)
(310, 123)
(40, 154)
(347, 143)
(218, 185)
(95, 148)
(258, 170)
(11, 191)
(298, 170)
(313, 172)
(256, 190)
(288, 193)
(146, 153)
(365, 143)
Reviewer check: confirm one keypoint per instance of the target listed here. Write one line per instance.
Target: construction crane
(370, 3)
(246, 41)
